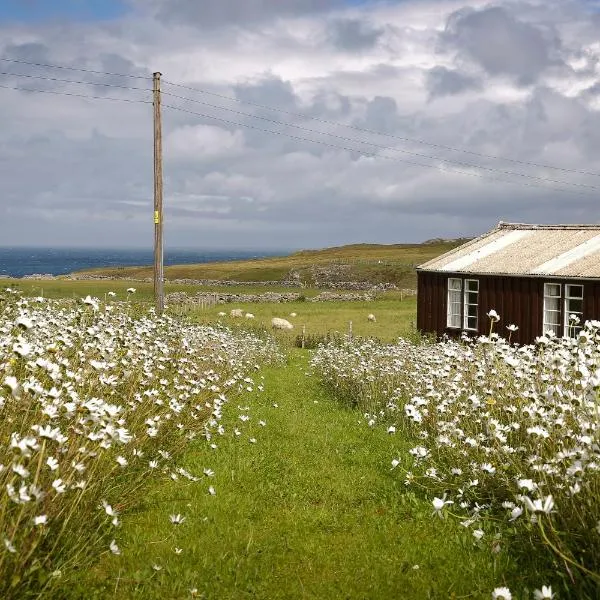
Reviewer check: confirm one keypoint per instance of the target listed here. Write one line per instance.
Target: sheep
(249, 316)
(293, 315)
(236, 313)
(371, 317)
(278, 323)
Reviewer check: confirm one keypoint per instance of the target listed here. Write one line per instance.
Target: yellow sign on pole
(156, 217)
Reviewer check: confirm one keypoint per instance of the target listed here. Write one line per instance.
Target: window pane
(472, 285)
(472, 322)
(574, 291)
(552, 289)
(471, 310)
(552, 304)
(552, 318)
(455, 284)
(574, 306)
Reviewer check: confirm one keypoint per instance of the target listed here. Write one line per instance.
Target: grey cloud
(441, 81)
(502, 44)
(269, 90)
(353, 34)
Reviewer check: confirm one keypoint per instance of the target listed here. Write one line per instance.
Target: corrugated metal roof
(526, 250)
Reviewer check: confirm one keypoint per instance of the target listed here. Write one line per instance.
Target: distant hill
(374, 263)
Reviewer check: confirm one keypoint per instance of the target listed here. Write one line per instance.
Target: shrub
(92, 401)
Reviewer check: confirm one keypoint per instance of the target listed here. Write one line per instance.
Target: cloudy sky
(311, 123)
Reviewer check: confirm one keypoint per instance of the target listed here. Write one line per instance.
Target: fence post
(350, 330)
(303, 335)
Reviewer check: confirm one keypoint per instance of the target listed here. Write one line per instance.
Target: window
(559, 305)
(470, 304)
(552, 308)
(462, 303)
(454, 302)
(573, 313)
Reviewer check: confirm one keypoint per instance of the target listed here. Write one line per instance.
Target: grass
(365, 262)
(65, 288)
(394, 317)
(311, 510)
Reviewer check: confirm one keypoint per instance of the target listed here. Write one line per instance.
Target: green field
(359, 262)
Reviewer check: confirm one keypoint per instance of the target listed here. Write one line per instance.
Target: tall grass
(95, 398)
(506, 438)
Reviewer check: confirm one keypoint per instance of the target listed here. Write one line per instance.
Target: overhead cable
(374, 155)
(388, 148)
(381, 133)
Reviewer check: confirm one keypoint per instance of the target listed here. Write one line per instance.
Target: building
(534, 276)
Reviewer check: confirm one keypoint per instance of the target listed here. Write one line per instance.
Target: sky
(301, 123)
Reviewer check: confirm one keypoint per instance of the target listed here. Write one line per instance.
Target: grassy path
(310, 509)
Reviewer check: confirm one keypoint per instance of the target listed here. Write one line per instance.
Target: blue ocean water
(17, 262)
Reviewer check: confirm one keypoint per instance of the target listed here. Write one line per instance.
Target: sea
(21, 261)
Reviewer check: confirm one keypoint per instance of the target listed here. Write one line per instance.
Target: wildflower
(122, 461)
(209, 472)
(438, 505)
(93, 302)
(52, 463)
(24, 323)
(9, 546)
(512, 328)
(59, 486)
(211, 491)
(110, 511)
(22, 349)
(114, 548)
(391, 429)
(111, 294)
(178, 550)
(13, 385)
(501, 593)
(131, 290)
(156, 567)
(527, 484)
(515, 513)
(493, 315)
(478, 534)
(40, 520)
(544, 593)
(177, 519)
(544, 505)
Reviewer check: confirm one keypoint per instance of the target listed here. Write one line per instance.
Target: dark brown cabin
(542, 278)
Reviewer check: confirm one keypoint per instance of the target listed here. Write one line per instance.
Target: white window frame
(466, 304)
(546, 324)
(454, 318)
(572, 330)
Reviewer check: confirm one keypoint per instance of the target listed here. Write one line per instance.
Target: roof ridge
(504, 225)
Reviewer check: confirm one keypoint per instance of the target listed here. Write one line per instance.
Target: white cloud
(447, 72)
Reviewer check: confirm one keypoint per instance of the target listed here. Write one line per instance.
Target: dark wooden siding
(518, 301)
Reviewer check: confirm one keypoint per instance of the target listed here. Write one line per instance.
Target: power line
(48, 66)
(374, 132)
(388, 148)
(58, 79)
(21, 89)
(373, 155)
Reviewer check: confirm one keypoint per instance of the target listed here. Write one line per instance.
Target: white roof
(526, 250)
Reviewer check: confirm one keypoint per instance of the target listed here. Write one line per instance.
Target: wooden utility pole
(159, 284)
